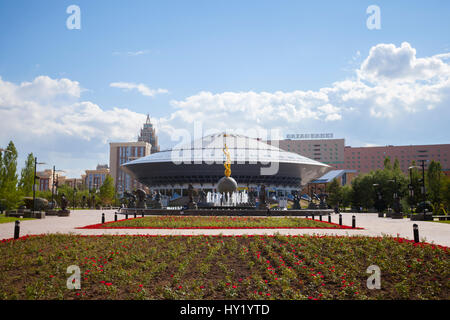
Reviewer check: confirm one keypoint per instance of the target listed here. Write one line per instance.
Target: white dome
(209, 150)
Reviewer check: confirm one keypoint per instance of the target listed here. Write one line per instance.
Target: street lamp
(74, 191)
(34, 182)
(396, 195)
(411, 186)
(55, 184)
(422, 166)
(379, 197)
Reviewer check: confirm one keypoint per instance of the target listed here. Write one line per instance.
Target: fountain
(227, 200)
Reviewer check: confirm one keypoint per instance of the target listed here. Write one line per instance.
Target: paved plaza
(432, 232)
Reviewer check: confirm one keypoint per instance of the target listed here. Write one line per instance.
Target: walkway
(432, 232)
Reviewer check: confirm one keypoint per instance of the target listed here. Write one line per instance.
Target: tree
(415, 185)
(107, 191)
(445, 189)
(8, 186)
(27, 177)
(396, 167)
(434, 179)
(346, 196)
(363, 191)
(334, 193)
(387, 163)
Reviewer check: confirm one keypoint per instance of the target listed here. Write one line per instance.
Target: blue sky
(186, 48)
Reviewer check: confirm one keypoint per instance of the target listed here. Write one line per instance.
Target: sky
(251, 67)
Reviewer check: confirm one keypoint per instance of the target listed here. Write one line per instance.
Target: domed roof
(209, 149)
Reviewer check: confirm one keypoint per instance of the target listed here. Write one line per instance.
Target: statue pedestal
(51, 212)
(396, 215)
(422, 216)
(192, 205)
(63, 213)
(312, 205)
(38, 214)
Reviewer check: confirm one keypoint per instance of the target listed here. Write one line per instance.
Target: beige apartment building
(120, 153)
(328, 151)
(93, 179)
(44, 179)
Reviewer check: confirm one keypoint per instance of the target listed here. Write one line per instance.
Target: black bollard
(135, 213)
(126, 216)
(320, 217)
(312, 216)
(416, 232)
(340, 219)
(142, 213)
(17, 229)
(115, 216)
(103, 218)
(329, 217)
(353, 222)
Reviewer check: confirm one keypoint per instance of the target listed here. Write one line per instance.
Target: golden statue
(227, 163)
(227, 185)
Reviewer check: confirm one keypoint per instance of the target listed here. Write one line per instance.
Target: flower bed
(220, 267)
(217, 222)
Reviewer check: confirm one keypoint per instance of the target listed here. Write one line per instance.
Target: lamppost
(379, 197)
(74, 191)
(396, 196)
(411, 187)
(55, 184)
(34, 182)
(424, 197)
(422, 166)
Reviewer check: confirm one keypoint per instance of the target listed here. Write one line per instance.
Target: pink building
(365, 159)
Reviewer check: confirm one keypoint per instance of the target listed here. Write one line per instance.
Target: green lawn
(220, 267)
(4, 219)
(218, 222)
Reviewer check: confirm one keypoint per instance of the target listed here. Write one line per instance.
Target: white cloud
(131, 53)
(386, 62)
(141, 88)
(45, 115)
(390, 83)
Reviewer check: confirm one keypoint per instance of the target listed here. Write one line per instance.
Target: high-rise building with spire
(148, 134)
(122, 152)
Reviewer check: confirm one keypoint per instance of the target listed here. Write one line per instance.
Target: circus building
(201, 163)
